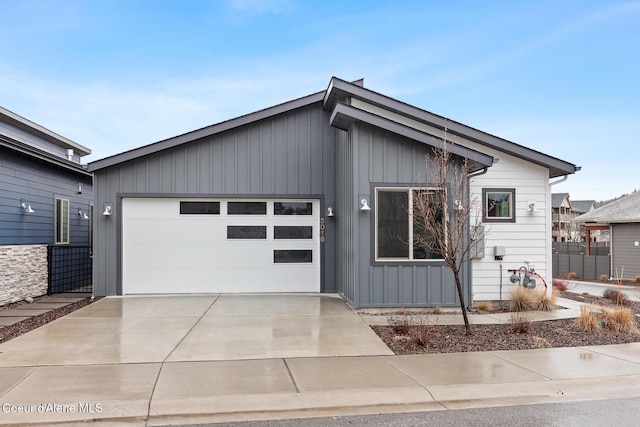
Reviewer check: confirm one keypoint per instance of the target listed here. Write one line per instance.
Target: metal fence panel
(69, 269)
(585, 267)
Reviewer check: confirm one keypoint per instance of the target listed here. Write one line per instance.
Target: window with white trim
(62, 221)
(395, 228)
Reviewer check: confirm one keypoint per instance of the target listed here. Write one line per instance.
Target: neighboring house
(45, 200)
(311, 196)
(563, 212)
(621, 219)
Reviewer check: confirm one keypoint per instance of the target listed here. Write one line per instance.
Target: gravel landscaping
(17, 329)
(556, 333)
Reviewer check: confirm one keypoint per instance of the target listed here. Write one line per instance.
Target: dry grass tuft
(604, 277)
(541, 342)
(572, 275)
(483, 305)
(548, 301)
(523, 299)
(588, 321)
(620, 320)
(637, 279)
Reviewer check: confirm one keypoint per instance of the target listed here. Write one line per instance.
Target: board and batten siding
(383, 159)
(289, 154)
(345, 218)
(625, 250)
(528, 240)
(38, 183)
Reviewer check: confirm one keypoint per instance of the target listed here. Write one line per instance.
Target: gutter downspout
(470, 292)
(549, 237)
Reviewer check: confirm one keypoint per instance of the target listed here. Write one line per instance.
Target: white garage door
(199, 246)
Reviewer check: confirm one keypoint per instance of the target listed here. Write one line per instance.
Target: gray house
(311, 196)
(46, 198)
(621, 219)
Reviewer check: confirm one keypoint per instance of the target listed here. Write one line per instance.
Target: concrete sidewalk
(123, 361)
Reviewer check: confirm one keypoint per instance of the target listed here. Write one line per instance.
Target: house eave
(42, 156)
(344, 116)
(340, 91)
(42, 132)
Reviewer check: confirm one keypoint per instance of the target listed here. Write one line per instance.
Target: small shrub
(604, 277)
(520, 323)
(616, 296)
(420, 332)
(588, 321)
(572, 275)
(400, 323)
(560, 284)
(620, 320)
(483, 305)
(523, 299)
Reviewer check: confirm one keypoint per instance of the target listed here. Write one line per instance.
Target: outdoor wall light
(531, 206)
(330, 212)
(364, 205)
(26, 207)
(82, 214)
(108, 209)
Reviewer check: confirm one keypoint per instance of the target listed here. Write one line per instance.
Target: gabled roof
(340, 90)
(337, 93)
(558, 198)
(582, 205)
(205, 131)
(42, 132)
(622, 210)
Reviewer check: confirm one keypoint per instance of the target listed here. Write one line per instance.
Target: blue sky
(560, 77)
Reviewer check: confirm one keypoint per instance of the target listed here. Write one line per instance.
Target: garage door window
(246, 232)
(247, 208)
(297, 256)
(292, 232)
(199, 208)
(292, 208)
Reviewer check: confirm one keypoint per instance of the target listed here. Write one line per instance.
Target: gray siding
(34, 141)
(385, 159)
(290, 154)
(345, 219)
(624, 251)
(38, 183)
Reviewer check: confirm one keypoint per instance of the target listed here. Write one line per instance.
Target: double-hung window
(395, 229)
(62, 221)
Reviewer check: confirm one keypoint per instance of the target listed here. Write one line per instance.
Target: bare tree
(442, 211)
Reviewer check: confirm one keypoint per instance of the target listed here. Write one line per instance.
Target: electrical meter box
(500, 251)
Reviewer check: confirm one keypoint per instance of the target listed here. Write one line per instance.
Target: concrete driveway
(180, 328)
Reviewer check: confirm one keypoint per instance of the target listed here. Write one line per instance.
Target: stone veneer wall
(23, 272)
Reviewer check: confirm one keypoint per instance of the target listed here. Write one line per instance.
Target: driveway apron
(147, 329)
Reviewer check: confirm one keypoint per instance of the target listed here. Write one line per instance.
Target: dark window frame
(411, 250)
(512, 205)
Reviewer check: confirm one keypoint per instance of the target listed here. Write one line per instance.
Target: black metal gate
(69, 269)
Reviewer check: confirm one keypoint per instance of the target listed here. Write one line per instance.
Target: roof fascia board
(205, 132)
(43, 156)
(343, 116)
(339, 90)
(34, 128)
